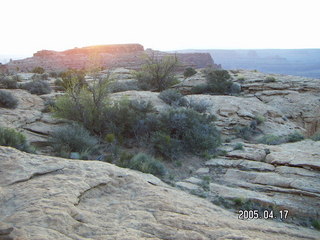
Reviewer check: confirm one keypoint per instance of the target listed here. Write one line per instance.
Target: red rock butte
(106, 56)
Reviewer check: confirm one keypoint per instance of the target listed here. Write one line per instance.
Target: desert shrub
(269, 79)
(38, 87)
(199, 106)
(294, 137)
(169, 148)
(49, 105)
(9, 82)
(245, 132)
(84, 104)
(200, 88)
(316, 137)
(53, 74)
(316, 224)
(72, 138)
(7, 100)
(157, 73)
(38, 70)
(270, 139)
(170, 96)
(259, 119)
(218, 81)
(147, 164)
(120, 86)
(129, 119)
(188, 72)
(10, 137)
(58, 85)
(235, 88)
(238, 146)
(241, 79)
(194, 130)
(73, 78)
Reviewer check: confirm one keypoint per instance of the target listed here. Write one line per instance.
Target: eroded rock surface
(52, 198)
(286, 176)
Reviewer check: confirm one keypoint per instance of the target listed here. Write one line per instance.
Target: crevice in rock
(82, 194)
(36, 132)
(35, 175)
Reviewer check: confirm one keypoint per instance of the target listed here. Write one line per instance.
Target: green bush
(199, 106)
(72, 138)
(169, 148)
(9, 82)
(235, 88)
(120, 86)
(157, 73)
(316, 224)
(147, 164)
(49, 105)
(259, 119)
(39, 77)
(10, 137)
(38, 70)
(188, 72)
(194, 130)
(73, 78)
(170, 96)
(200, 89)
(38, 87)
(270, 139)
(294, 137)
(316, 137)
(238, 146)
(218, 81)
(269, 79)
(245, 132)
(7, 100)
(83, 104)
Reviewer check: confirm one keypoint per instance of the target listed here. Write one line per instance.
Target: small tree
(158, 73)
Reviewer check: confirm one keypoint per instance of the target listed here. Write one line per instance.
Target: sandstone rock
(51, 198)
(142, 96)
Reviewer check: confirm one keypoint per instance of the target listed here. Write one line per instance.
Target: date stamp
(265, 214)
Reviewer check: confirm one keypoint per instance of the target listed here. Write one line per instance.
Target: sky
(29, 26)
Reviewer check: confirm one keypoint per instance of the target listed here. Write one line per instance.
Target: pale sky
(31, 25)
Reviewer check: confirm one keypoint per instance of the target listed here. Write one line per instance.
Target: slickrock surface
(286, 176)
(51, 198)
(28, 118)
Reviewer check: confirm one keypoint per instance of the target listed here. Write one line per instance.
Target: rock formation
(105, 56)
(43, 197)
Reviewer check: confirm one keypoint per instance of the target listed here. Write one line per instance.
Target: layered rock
(52, 198)
(267, 177)
(105, 56)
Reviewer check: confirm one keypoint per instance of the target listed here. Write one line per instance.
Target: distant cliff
(106, 56)
(299, 62)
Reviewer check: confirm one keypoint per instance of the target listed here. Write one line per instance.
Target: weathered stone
(52, 198)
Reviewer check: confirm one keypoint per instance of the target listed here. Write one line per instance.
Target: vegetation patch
(72, 138)
(157, 73)
(38, 87)
(188, 72)
(7, 100)
(10, 137)
(170, 96)
(147, 164)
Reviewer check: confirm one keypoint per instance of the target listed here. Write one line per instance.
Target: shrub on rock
(147, 164)
(7, 100)
(38, 87)
(10, 137)
(170, 96)
(188, 72)
(72, 138)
